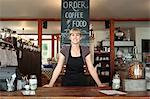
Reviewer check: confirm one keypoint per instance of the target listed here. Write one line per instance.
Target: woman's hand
(46, 86)
(102, 85)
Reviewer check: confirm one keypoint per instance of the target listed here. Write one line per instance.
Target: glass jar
(116, 81)
(136, 70)
(33, 82)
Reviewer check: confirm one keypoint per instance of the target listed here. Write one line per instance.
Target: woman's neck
(75, 50)
(75, 46)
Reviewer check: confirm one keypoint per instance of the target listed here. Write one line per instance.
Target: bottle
(119, 53)
(128, 35)
(116, 81)
(33, 82)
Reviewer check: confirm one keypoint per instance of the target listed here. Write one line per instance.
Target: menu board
(75, 14)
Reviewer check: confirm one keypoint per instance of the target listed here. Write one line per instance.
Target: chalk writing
(75, 14)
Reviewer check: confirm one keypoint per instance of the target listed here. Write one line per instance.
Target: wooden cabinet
(29, 63)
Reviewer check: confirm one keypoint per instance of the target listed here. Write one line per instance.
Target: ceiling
(99, 9)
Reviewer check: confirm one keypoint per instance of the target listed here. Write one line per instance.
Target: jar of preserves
(136, 70)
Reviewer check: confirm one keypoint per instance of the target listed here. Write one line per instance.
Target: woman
(74, 57)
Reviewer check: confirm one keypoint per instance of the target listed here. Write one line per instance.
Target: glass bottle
(116, 81)
(33, 82)
(128, 35)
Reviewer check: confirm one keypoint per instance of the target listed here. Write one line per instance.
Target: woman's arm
(93, 71)
(56, 71)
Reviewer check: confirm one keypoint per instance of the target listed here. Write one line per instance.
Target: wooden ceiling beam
(29, 19)
(57, 19)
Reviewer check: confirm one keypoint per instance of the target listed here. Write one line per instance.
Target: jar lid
(32, 76)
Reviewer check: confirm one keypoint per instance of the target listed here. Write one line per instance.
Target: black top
(65, 50)
(74, 75)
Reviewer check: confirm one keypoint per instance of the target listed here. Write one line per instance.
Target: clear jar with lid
(33, 82)
(116, 81)
(136, 69)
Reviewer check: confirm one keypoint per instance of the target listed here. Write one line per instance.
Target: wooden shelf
(103, 58)
(119, 43)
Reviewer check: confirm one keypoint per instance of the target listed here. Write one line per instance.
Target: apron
(74, 75)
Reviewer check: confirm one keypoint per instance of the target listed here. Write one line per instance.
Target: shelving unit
(118, 43)
(146, 51)
(103, 58)
(102, 61)
(125, 46)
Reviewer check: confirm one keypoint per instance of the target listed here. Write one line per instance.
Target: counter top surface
(73, 92)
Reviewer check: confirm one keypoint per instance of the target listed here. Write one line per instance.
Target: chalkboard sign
(75, 13)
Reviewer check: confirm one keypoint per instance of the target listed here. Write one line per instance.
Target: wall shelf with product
(102, 62)
(123, 43)
(126, 46)
(122, 48)
(124, 40)
(146, 52)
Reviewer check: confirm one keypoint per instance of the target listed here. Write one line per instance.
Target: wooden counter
(73, 93)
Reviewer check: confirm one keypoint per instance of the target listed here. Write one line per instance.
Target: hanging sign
(75, 13)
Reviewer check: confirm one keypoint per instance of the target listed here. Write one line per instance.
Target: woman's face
(75, 38)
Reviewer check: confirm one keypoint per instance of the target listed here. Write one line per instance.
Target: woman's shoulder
(85, 50)
(65, 49)
(84, 47)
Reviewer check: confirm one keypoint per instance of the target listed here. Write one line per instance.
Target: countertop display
(74, 93)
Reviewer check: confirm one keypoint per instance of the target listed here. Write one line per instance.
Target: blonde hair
(75, 30)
